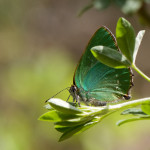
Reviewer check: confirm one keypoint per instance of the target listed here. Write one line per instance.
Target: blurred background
(41, 42)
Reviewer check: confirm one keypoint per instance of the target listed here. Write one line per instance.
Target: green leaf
(133, 111)
(61, 129)
(146, 108)
(55, 116)
(74, 121)
(120, 122)
(110, 57)
(78, 129)
(138, 40)
(125, 36)
(50, 116)
(63, 106)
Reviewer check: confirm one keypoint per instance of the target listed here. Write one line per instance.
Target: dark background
(41, 42)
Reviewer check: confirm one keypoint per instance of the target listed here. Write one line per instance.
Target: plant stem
(107, 110)
(132, 103)
(140, 72)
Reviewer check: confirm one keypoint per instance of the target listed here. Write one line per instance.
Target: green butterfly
(95, 83)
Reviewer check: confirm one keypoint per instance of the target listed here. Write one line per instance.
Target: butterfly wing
(95, 80)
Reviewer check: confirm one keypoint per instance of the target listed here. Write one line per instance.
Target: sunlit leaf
(110, 57)
(125, 36)
(138, 40)
(55, 116)
(63, 106)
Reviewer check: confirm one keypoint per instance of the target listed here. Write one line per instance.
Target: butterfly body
(96, 83)
(82, 95)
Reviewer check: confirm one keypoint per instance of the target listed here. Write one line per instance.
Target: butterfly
(94, 82)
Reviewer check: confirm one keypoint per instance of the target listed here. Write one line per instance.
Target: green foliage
(142, 113)
(71, 124)
(133, 119)
(138, 114)
(70, 120)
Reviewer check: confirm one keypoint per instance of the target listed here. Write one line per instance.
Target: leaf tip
(118, 123)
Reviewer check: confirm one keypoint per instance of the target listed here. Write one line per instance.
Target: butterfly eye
(73, 89)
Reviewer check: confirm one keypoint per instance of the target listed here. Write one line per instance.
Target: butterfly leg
(77, 99)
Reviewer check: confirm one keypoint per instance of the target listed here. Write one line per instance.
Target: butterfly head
(73, 90)
(74, 93)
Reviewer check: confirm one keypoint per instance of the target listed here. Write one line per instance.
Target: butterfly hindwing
(95, 80)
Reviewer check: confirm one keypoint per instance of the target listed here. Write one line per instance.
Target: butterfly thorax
(78, 94)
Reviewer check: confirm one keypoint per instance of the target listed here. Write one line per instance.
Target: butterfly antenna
(68, 97)
(58, 93)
